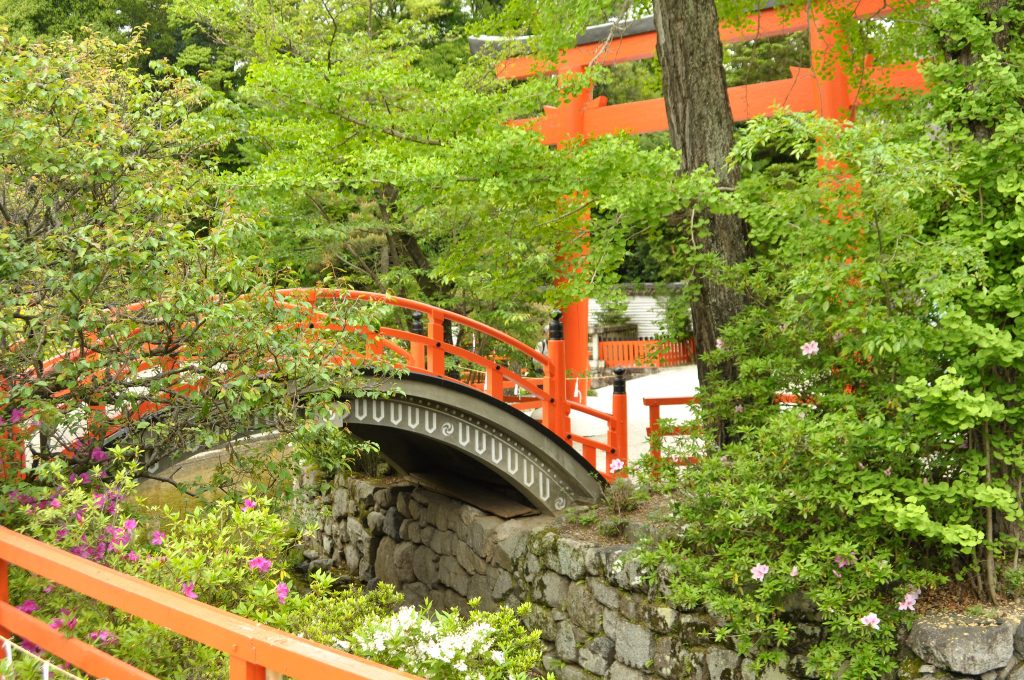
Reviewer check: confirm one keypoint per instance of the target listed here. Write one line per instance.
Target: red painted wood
(229, 633)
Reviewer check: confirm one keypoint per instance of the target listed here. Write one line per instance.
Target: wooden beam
(768, 23)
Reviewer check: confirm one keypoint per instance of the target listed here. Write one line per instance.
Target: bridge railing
(424, 346)
(255, 651)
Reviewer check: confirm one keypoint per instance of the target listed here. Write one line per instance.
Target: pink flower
(132, 556)
(871, 620)
(738, 408)
(759, 571)
(282, 591)
(794, 572)
(157, 538)
(248, 504)
(809, 348)
(910, 600)
(16, 415)
(887, 472)
(187, 590)
(260, 563)
(130, 524)
(616, 465)
(719, 343)
(103, 637)
(98, 455)
(28, 606)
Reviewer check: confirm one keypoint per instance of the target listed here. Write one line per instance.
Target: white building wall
(643, 310)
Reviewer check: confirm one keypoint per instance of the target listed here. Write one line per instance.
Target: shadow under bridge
(464, 443)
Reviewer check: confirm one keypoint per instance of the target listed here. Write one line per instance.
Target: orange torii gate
(824, 88)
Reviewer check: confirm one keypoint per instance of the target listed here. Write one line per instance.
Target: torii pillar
(559, 125)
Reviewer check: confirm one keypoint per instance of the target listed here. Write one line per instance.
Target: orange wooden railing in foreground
(253, 649)
(645, 353)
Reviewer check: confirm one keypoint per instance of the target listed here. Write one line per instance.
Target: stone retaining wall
(598, 619)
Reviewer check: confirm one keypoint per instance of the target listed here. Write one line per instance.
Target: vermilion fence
(645, 353)
(255, 651)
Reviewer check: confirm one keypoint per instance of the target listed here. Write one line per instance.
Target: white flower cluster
(443, 646)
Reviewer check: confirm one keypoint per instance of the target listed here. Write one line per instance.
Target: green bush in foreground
(232, 555)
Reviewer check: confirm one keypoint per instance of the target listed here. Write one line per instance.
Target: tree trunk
(701, 127)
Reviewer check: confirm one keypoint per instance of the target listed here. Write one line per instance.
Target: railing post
(556, 415)
(619, 439)
(245, 670)
(417, 349)
(5, 593)
(435, 353)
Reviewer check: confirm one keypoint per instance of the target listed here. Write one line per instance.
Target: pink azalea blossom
(28, 606)
(187, 590)
(16, 415)
(260, 563)
(794, 572)
(98, 455)
(282, 591)
(157, 538)
(910, 600)
(809, 348)
(130, 524)
(616, 465)
(248, 504)
(871, 620)
(132, 556)
(759, 571)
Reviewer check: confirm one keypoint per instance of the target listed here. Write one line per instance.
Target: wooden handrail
(252, 647)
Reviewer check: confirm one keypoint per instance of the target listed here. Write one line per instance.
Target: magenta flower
(260, 563)
(871, 620)
(187, 590)
(16, 415)
(157, 538)
(98, 455)
(132, 556)
(103, 637)
(54, 502)
(28, 606)
(282, 591)
(248, 504)
(758, 572)
(130, 524)
(809, 348)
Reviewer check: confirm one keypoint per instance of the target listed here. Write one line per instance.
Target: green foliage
(107, 199)
(233, 555)
(884, 299)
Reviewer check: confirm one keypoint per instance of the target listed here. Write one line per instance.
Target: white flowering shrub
(439, 645)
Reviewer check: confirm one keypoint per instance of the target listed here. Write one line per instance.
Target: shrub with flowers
(884, 297)
(232, 554)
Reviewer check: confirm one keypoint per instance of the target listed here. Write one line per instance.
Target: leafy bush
(234, 555)
(884, 300)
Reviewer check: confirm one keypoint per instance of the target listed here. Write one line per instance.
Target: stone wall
(597, 617)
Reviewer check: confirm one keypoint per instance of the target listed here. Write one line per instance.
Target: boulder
(962, 647)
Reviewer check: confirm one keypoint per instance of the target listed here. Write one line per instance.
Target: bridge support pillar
(5, 594)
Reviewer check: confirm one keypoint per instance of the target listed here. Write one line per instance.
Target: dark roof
(592, 34)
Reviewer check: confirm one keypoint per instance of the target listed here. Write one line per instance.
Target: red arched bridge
(463, 408)
(467, 409)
